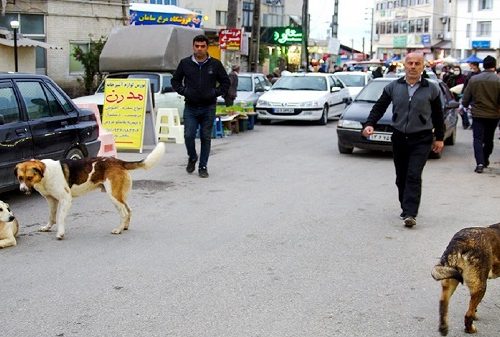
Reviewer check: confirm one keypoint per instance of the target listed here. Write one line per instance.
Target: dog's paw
(45, 228)
(443, 329)
(116, 231)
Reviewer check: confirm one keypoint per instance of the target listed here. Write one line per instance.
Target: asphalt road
(287, 238)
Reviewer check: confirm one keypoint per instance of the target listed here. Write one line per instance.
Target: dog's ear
(38, 171)
(17, 168)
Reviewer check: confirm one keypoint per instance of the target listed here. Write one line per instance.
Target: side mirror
(335, 89)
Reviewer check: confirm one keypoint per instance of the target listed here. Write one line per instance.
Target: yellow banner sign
(124, 111)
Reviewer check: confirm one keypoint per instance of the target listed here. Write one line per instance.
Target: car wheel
(452, 138)
(265, 121)
(324, 116)
(74, 154)
(345, 149)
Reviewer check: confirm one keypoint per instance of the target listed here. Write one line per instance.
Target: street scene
(287, 237)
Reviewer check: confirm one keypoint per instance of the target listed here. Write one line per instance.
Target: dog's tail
(440, 272)
(151, 160)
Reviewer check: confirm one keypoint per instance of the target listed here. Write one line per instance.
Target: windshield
(352, 80)
(316, 83)
(244, 83)
(154, 79)
(372, 91)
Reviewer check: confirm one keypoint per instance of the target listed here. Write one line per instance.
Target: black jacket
(419, 113)
(198, 82)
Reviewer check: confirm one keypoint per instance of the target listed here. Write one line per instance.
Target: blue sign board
(154, 18)
(426, 40)
(481, 44)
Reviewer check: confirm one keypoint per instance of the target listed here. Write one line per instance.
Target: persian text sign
(284, 36)
(124, 111)
(153, 18)
(230, 39)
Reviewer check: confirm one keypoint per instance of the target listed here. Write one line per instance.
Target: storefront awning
(443, 45)
(7, 39)
(296, 20)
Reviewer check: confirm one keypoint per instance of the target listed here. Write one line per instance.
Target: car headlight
(262, 103)
(345, 123)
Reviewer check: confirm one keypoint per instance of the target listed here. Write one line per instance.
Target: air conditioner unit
(440, 36)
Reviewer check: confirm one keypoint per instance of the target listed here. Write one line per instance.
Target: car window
(352, 80)
(35, 100)
(258, 84)
(154, 79)
(336, 82)
(315, 83)
(9, 109)
(166, 84)
(62, 100)
(244, 83)
(372, 91)
(265, 82)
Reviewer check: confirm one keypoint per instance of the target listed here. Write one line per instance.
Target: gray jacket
(422, 112)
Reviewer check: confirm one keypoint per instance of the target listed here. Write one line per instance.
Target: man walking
(232, 92)
(416, 111)
(200, 79)
(483, 94)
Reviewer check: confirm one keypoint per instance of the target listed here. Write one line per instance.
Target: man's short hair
(489, 62)
(200, 38)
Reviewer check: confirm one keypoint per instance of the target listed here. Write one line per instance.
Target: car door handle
(21, 132)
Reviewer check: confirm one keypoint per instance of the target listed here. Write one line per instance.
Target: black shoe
(486, 163)
(402, 216)
(479, 168)
(191, 165)
(410, 221)
(202, 172)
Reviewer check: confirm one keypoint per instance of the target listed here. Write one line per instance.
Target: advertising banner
(154, 18)
(124, 111)
(230, 39)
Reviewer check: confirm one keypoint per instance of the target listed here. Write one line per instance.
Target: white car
(303, 96)
(250, 87)
(164, 94)
(354, 80)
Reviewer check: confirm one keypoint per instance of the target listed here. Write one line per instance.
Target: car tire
(324, 116)
(452, 138)
(265, 121)
(345, 149)
(75, 154)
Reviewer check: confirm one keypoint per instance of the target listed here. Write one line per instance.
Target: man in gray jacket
(416, 112)
(483, 94)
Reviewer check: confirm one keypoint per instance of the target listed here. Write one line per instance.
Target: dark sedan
(350, 123)
(38, 120)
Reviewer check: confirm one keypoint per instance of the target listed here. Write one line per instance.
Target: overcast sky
(352, 23)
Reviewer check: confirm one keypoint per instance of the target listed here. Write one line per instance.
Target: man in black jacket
(200, 79)
(416, 111)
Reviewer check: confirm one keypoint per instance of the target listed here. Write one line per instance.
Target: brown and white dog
(9, 227)
(59, 181)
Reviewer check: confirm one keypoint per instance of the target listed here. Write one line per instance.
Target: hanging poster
(124, 111)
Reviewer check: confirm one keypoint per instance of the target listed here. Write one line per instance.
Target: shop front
(283, 47)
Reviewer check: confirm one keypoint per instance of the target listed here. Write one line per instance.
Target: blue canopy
(394, 58)
(472, 58)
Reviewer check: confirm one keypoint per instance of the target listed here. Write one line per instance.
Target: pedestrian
(456, 77)
(232, 92)
(416, 111)
(483, 94)
(377, 72)
(392, 71)
(200, 79)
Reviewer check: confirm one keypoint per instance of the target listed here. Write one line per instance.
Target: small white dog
(9, 227)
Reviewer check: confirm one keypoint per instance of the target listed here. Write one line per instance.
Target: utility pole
(231, 57)
(255, 39)
(305, 34)
(371, 30)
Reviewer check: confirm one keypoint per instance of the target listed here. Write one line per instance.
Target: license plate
(283, 110)
(380, 137)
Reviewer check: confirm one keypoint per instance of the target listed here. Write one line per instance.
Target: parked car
(164, 95)
(38, 120)
(354, 80)
(352, 119)
(250, 87)
(303, 96)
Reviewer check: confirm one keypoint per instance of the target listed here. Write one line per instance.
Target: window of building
(419, 26)
(485, 4)
(469, 6)
(395, 27)
(426, 25)
(220, 18)
(163, 2)
(467, 30)
(247, 14)
(76, 67)
(404, 3)
(382, 28)
(272, 20)
(411, 26)
(484, 28)
(388, 28)
(404, 27)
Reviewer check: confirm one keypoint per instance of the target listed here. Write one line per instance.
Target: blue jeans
(483, 132)
(204, 118)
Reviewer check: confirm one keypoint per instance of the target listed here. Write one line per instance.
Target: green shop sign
(283, 35)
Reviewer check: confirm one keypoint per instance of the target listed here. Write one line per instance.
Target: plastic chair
(168, 125)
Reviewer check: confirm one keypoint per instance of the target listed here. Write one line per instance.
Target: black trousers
(483, 132)
(410, 153)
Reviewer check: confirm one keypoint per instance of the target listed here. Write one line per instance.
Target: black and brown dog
(472, 256)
